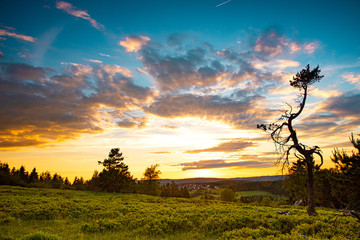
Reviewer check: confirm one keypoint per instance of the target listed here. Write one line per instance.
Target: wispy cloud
(223, 3)
(311, 47)
(70, 9)
(94, 61)
(104, 55)
(209, 164)
(4, 32)
(231, 146)
(2, 56)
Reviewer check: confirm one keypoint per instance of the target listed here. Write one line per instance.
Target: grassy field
(30, 213)
(252, 193)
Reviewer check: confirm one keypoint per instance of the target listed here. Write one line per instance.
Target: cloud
(70, 9)
(337, 116)
(116, 69)
(184, 70)
(294, 47)
(325, 93)
(104, 55)
(20, 71)
(352, 78)
(270, 43)
(241, 112)
(285, 63)
(134, 43)
(347, 104)
(4, 32)
(232, 146)
(39, 106)
(176, 39)
(311, 47)
(161, 152)
(339, 145)
(209, 164)
(94, 61)
(308, 48)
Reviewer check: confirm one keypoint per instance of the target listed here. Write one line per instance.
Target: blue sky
(178, 83)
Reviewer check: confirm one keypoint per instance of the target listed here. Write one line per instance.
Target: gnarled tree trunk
(310, 188)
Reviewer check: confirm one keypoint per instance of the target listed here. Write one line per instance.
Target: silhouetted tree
(289, 141)
(347, 188)
(150, 182)
(33, 177)
(116, 176)
(151, 174)
(23, 175)
(45, 179)
(57, 181)
(5, 175)
(67, 182)
(78, 183)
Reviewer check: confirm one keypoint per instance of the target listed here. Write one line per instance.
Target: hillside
(35, 213)
(215, 180)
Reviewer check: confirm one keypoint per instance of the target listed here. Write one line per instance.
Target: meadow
(39, 213)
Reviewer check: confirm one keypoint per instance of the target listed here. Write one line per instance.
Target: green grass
(30, 213)
(252, 193)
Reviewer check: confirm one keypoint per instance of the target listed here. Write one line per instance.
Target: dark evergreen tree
(115, 176)
(5, 175)
(347, 187)
(33, 177)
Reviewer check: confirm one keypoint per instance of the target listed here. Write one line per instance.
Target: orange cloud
(352, 78)
(70, 9)
(134, 43)
(114, 69)
(4, 32)
(270, 43)
(65, 106)
(325, 93)
(285, 63)
(231, 146)
(311, 47)
(294, 47)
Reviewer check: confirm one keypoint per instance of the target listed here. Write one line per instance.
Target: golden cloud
(134, 43)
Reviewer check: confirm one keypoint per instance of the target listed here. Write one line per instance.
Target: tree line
(115, 177)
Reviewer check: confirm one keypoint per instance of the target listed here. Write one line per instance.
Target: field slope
(32, 213)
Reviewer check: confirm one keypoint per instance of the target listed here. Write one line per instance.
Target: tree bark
(310, 188)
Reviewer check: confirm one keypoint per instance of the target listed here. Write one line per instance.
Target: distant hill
(214, 180)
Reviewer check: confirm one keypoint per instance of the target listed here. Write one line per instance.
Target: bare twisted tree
(286, 140)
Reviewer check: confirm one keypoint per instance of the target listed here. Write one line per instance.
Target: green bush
(249, 233)
(41, 236)
(101, 226)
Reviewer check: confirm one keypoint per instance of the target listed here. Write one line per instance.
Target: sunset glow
(176, 83)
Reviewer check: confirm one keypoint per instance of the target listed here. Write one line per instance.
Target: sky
(181, 84)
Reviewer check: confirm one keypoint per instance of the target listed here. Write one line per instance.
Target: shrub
(101, 226)
(41, 236)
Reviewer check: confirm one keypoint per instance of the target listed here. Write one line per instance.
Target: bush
(228, 195)
(101, 226)
(41, 236)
